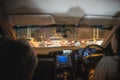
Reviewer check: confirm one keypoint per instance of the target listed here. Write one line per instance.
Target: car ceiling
(63, 11)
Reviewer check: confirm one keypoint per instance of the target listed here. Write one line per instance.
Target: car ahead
(56, 42)
(94, 41)
(32, 41)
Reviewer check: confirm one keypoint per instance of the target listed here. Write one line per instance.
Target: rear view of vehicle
(94, 41)
(56, 42)
(32, 42)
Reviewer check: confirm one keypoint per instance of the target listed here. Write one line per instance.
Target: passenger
(109, 67)
(17, 59)
(6, 30)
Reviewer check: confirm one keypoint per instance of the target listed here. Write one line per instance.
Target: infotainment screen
(62, 58)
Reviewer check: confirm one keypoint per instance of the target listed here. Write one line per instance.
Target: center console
(63, 66)
(63, 61)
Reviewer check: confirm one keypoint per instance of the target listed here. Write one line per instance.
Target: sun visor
(31, 19)
(44, 20)
(99, 20)
(67, 20)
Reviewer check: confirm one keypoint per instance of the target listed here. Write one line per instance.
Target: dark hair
(17, 60)
(6, 30)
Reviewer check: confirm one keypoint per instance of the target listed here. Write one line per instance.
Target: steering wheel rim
(93, 60)
(91, 64)
(103, 49)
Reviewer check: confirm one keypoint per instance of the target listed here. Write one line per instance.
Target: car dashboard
(63, 64)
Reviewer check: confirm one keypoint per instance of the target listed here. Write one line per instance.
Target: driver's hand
(91, 73)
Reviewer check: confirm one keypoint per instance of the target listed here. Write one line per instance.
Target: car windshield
(82, 36)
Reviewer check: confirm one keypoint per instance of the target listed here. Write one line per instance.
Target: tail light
(72, 42)
(49, 42)
(82, 41)
(64, 43)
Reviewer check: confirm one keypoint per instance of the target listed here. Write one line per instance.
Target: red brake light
(82, 41)
(64, 43)
(72, 42)
(49, 42)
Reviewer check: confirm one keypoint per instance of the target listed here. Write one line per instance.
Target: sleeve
(105, 69)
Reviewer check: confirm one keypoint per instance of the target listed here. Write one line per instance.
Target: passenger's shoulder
(106, 57)
(109, 59)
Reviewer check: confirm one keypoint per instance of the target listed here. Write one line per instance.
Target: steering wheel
(99, 50)
(93, 57)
